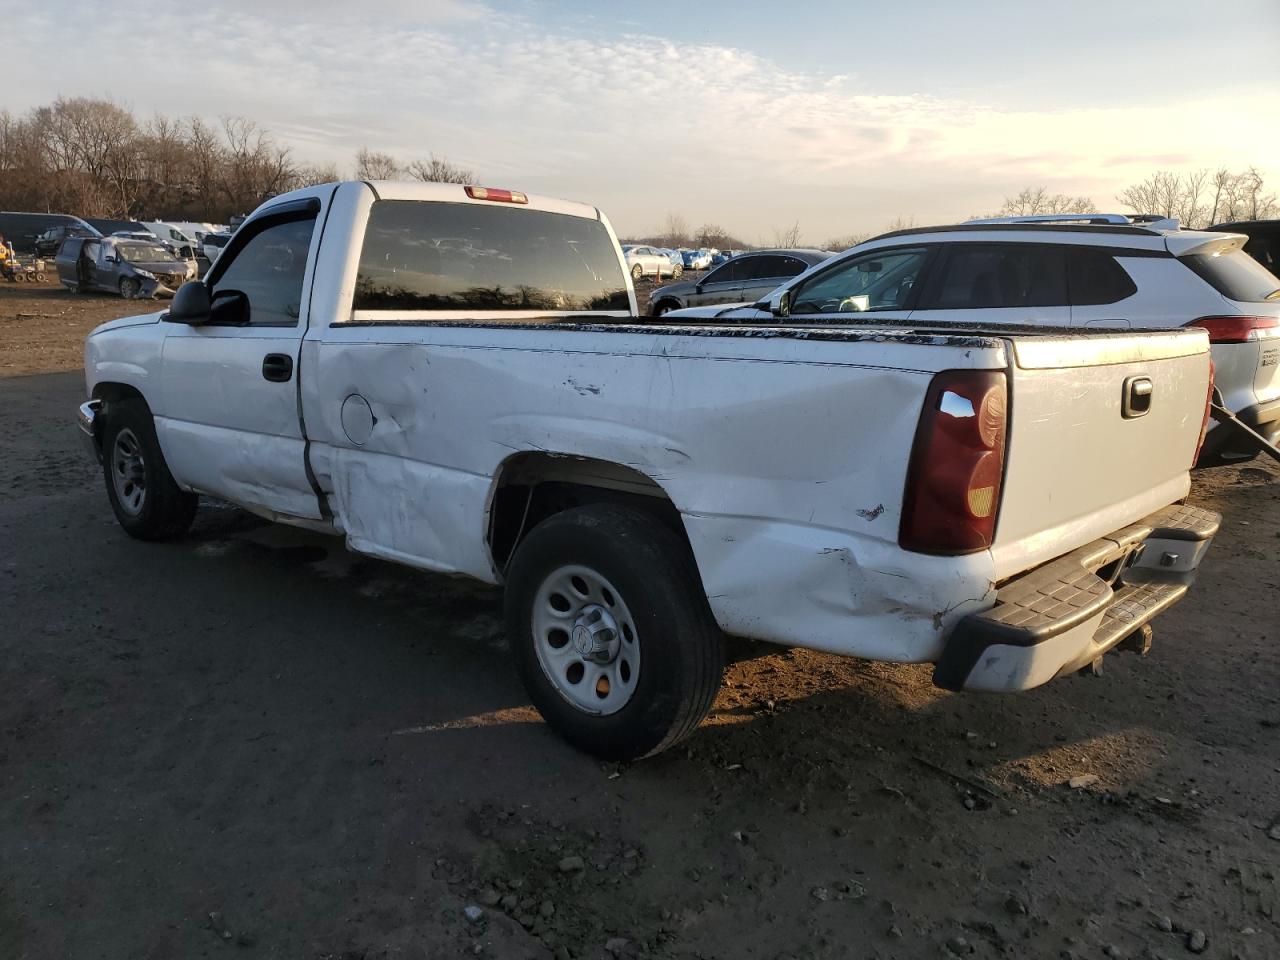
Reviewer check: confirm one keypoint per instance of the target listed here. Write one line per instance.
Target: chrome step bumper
(1067, 613)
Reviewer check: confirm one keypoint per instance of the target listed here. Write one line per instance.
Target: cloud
(634, 123)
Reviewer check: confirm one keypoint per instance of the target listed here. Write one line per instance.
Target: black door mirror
(191, 304)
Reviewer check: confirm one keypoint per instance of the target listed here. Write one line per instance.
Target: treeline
(94, 158)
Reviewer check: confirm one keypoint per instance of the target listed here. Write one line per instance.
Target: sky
(751, 114)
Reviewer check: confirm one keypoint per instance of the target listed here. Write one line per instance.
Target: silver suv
(1089, 271)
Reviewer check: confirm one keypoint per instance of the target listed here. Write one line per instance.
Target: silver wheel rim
(586, 640)
(129, 472)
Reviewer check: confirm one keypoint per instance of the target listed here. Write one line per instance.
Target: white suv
(1088, 271)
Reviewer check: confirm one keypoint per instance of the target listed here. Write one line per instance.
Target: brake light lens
(1234, 329)
(1204, 424)
(491, 193)
(952, 497)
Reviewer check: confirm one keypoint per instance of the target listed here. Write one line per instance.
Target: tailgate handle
(1137, 397)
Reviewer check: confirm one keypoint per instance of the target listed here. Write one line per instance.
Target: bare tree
(439, 170)
(372, 165)
(787, 238)
(676, 231)
(1200, 198)
(1033, 201)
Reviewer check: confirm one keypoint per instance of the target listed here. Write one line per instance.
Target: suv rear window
(1236, 275)
(473, 257)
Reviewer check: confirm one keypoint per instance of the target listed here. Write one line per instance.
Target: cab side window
(269, 271)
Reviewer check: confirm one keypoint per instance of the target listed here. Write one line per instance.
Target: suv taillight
(952, 497)
(1233, 329)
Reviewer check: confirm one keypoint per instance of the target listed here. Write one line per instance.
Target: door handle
(277, 367)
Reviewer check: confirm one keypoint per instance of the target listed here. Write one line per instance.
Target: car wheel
(611, 632)
(637, 272)
(129, 287)
(147, 502)
(664, 307)
(678, 272)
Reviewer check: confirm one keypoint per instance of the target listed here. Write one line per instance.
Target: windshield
(143, 253)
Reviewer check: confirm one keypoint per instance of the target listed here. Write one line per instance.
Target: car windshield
(144, 253)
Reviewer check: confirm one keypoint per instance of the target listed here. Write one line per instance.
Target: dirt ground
(253, 743)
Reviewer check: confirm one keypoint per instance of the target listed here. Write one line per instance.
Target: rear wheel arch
(531, 487)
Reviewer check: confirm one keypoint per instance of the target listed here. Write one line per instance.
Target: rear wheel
(637, 272)
(611, 632)
(147, 502)
(678, 272)
(665, 306)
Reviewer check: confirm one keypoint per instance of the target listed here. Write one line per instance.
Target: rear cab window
(482, 258)
(1235, 275)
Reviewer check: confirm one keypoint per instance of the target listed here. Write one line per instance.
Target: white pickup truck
(455, 378)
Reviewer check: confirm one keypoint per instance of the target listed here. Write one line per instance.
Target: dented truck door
(228, 416)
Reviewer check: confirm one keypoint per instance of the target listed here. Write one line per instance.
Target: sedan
(746, 278)
(649, 262)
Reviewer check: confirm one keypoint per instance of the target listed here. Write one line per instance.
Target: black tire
(637, 272)
(164, 511)
(681, 647)
(664, 307)
(129, 288)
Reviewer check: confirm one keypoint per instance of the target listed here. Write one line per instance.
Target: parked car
(1263, 243)
(131, 268)
(1089, 272)
(180, 252)
(22, 229)
(107, 227)
(213, 244)
(648, 262)
(174, 235)
(696, 259)
(496, 411)
(48, 242)
(748, 277)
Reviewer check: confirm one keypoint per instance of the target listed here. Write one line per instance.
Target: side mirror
(780, 304)
(191, 305)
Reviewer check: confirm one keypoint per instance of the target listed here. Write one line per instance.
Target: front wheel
(147, 502)
(637, 272)
(611, 632)
(678, 272)
(129, 288)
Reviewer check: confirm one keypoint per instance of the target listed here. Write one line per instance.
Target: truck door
(229, 420)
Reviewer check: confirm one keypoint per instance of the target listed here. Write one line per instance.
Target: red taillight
(502, 196)
(1204, 424)
(957, 464)
(1234, 329)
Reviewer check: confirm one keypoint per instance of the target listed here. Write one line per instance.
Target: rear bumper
(1065, 614)
(1224, 444)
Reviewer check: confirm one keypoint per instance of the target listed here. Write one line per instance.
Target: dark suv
(47, 243)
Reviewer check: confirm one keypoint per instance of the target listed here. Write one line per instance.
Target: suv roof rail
(1151, 220)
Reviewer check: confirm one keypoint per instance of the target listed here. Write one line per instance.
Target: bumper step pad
(1060, 616)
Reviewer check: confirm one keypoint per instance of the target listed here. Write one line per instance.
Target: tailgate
(1083, 457)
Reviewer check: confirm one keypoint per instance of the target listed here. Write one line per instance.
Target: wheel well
(664, 301)
(116, 392)
(534, 486)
